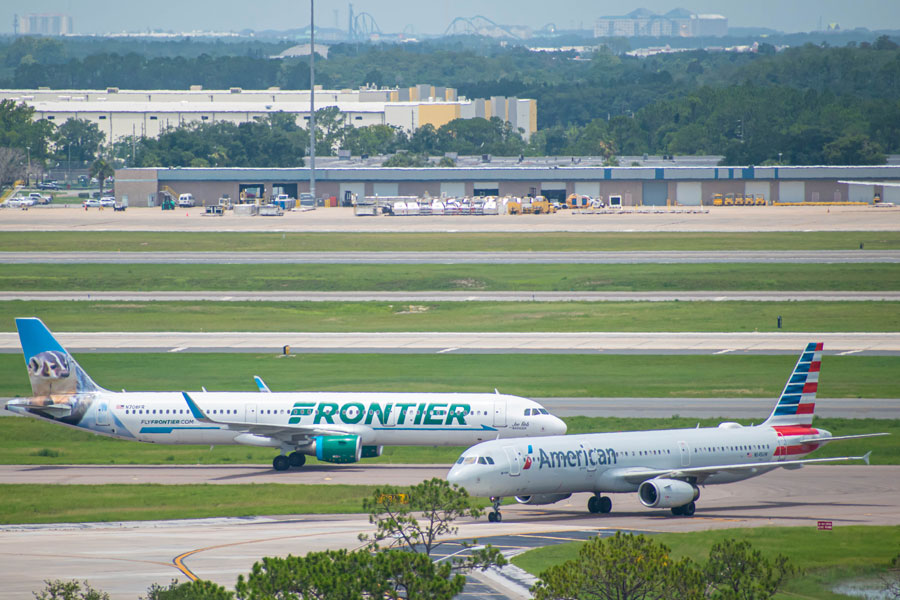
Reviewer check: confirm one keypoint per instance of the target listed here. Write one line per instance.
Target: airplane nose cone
(558, 427)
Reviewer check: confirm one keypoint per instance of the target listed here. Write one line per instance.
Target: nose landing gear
(495, 516)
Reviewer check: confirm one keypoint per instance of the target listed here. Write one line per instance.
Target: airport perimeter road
(458, 258)
(649, 219)
(471, 342)
(522, 296)
(125, 558)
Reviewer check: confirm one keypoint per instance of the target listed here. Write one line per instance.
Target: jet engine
(371, 451)
(666, 493)
(542, 498)
(338, 448)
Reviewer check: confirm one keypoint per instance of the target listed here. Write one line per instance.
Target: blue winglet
(195, 410)
(261, 384)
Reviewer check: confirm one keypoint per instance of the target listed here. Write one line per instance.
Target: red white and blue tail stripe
(797, 402)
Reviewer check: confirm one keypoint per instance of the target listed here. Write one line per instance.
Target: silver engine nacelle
(541, 498)
(667, 493)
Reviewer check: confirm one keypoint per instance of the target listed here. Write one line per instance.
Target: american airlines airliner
(666, 468)
(337, 427)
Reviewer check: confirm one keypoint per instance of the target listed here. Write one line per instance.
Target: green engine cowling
(338, 448)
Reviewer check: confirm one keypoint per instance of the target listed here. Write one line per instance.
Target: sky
(433, 16)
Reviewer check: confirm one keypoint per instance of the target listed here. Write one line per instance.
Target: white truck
(39, 199)
(185, 201)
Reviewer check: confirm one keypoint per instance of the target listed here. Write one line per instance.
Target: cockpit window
(527, 412)
(469, 460)
(459, 460)
(489, 460)
(544, 411)
(481, 460)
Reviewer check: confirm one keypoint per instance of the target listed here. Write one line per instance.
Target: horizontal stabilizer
(838, 438)
(55, 410)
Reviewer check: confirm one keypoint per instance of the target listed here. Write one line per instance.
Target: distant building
(46, 24)
(147, 113)
(675, 23)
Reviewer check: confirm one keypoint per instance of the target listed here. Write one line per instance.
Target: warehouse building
(147, 113)
(630, 186)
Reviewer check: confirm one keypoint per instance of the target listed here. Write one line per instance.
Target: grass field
(105, 241)
(825, 557)
(530, 375)
(35, 442)
(440, 277)
(456, 316)
(28, 503)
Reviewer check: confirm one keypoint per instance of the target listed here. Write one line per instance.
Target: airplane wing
(288, 433)
(639, 475)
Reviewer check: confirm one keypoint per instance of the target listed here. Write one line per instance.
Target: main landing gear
(686, 510)
(599, 504)
(495, 516)
(283, 463)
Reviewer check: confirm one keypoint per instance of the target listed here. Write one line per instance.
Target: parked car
(108, 201)
(47, 185)
(91, 203)
(18, 202)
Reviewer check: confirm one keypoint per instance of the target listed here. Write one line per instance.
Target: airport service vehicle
(39, 199)
(185, 200)
(664, 467)
(337, 427)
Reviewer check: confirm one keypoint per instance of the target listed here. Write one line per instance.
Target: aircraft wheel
(594, 505)
(676, 510)
(605, 504)
(494, 517)
(688, 509)
(281, 463)
(297, 459)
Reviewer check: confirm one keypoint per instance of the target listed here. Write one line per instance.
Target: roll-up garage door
(791, 191)
(689, 193)
(655, 193)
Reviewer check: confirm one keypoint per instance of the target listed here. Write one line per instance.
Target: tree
(69, 590)
(854, 149)
(439, 504)
(342, 575)
(12, 165)
(199, 589)
(102, 171)
(406, 160)
(621, 567)
(735, 571)
(78, 140)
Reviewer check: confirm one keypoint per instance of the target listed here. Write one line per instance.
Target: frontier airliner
(337, 427)
(664, 467)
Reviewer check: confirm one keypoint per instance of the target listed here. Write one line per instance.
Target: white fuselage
(379, 419)
(611, 462)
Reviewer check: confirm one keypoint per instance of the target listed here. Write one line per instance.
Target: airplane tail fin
(51, 369)
(797, 402)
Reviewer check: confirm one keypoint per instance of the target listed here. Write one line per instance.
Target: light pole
(28, 168)
(312, 101)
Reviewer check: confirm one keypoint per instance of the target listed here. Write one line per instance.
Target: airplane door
(250, 413)
(685, 454)
(514, 466)
(500, 411)
(391, 419)
(102, 414)
(591, 464)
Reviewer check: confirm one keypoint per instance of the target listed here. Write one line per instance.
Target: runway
(457, 258)
(125, 558)
(471, 342)
(518, 296)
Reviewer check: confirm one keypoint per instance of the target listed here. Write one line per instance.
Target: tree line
(805, 105)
